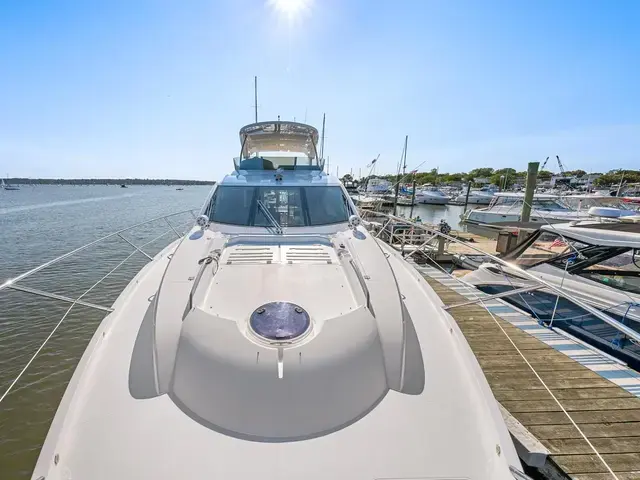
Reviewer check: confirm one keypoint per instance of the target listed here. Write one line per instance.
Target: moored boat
(278, 338)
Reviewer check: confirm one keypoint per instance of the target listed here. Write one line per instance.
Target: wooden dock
(607, 414)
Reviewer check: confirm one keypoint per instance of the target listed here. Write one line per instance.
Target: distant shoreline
(104, 181)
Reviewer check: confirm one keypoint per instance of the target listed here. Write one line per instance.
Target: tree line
(508, 176)
(104, 181)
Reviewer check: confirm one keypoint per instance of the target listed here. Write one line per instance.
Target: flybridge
(278, 145)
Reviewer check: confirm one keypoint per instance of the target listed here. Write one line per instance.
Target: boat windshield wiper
(271, 218)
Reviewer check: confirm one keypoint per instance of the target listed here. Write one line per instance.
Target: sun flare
(290, 8)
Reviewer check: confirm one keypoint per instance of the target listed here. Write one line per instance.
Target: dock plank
(607, 476)
(562, 394)
(560, 418)
(575, 446)
(551, 405)
(598, 430)
(619, 462)
(607, 414)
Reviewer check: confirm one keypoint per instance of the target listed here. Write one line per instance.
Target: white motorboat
(481, 196)
(431, 196)
(378, 186)
(596, 263)
(278, 339)
(506, 207)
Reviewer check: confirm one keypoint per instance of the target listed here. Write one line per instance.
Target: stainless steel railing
(629, 332)
(12, 284)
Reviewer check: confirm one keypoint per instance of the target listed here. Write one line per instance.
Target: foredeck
(600, 394)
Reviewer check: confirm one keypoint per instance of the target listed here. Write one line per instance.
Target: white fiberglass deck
(107, 429)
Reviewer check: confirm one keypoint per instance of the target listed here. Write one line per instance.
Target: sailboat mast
(322, 139)
(255, 97)
(403, 164)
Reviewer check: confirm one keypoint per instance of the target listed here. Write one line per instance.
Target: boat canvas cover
(278, 137)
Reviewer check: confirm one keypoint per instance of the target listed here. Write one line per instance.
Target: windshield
(289, 206)
(621, 272)
(547, 204)
(584, 203)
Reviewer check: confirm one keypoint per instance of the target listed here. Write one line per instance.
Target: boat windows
(502, 201)
(621, 272)
(547, 205)
(289, 206)
(543, 204)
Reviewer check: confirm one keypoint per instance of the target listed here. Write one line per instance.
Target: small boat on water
(7, 186)
(431, 196)
(278, 339)
(481, 196)
(597, 263)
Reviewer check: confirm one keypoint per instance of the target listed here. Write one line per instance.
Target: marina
(561, 403)
(413, 254)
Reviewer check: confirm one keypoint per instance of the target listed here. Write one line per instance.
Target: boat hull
(568, 316)
(106, 414)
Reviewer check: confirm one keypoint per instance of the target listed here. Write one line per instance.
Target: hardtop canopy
(278, 136)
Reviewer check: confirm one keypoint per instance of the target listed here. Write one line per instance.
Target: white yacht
(378, 186)
(279, 340)
(597, 263)
(506, 207)
(481, 196)
(431, 196)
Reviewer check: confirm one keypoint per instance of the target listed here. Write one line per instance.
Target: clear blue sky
(159, 88)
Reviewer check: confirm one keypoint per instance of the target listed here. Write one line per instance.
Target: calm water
(40, 223)
(434, 213)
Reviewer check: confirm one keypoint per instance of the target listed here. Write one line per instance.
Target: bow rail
(12, 284)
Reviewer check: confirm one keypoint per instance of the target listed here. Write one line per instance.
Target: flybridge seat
(278, 145)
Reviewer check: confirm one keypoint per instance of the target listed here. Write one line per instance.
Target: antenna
(255, 96)
(322, 139)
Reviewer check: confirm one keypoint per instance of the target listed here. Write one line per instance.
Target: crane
(560, 165)
(544, 164)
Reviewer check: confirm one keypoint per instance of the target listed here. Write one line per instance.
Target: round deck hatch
(280, 321)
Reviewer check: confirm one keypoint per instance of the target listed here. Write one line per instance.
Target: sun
(290, 8)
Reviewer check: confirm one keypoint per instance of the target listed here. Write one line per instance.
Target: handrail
(11, 284)
(24, 275)
(594, 311)
(212, 257)
(363, 284)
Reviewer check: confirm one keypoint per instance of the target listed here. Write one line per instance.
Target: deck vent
(308, 254)
(250, 254)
